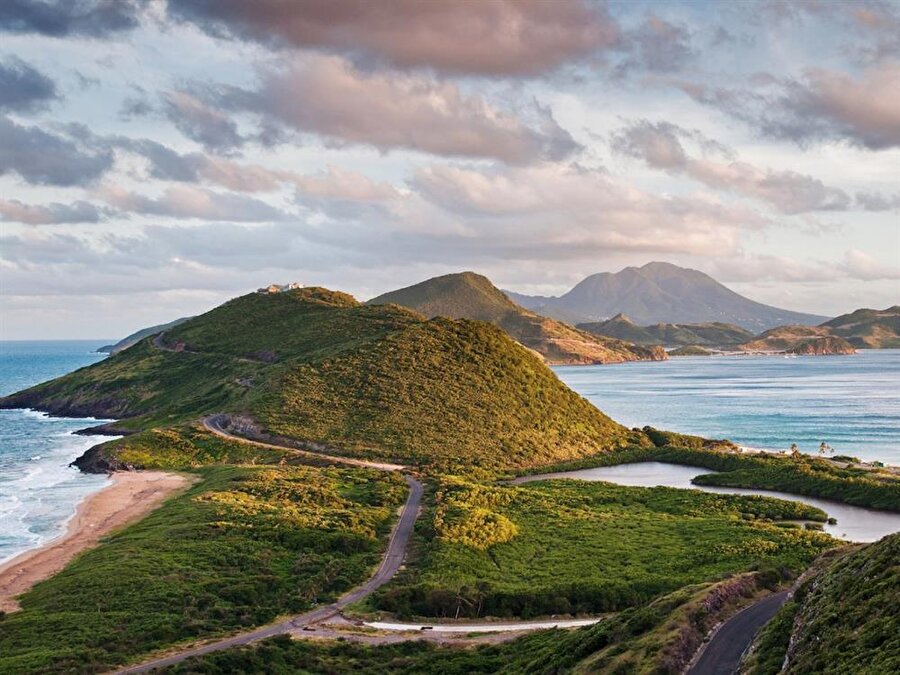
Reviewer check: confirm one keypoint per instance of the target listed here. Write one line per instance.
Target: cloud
(23, 88)
(659, 146)
(861, 109)
(189, 202)
(63, 18)
(657, 46)
(329, 97)
(860, 265)
(43, 158)
(198, 121)
(579, 212)
(51, 214)
(489, 37)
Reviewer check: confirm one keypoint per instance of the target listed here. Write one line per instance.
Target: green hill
(670, 334)
(137, 336)
(373, 381)
(471, 296)
(842, 620)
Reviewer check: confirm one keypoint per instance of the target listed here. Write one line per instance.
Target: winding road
(723, 652)
(391, 562)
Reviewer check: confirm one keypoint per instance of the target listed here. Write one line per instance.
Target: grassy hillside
(379, 381)
(241, 547)
(713, 334)
(559, 547)
(862, 329)
(137, 336)
(842, 620)
(868, 328)
(471, 296)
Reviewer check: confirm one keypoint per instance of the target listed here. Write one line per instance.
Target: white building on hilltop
(280, 288)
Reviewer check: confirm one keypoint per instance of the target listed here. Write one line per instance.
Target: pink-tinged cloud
(487, 37)
(13, 210)
(182, 201)
(330, 97)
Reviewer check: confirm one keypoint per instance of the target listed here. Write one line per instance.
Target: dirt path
(130, 496)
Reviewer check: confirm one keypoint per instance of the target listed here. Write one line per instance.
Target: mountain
(798, 340)
(660, 292)
(868, 328)
(471, 296)
(669, 334)
(134, 338)
(375, 381)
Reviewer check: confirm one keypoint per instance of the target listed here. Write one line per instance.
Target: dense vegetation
(842, 620)
(561, 547)
(471, 296)
(238, 549)
(375, 381)
(800, 474)
(658, 638)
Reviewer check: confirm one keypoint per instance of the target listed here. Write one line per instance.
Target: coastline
(128, 497)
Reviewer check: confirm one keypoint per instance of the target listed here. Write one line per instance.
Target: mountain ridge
(467, 295)
(660, 292)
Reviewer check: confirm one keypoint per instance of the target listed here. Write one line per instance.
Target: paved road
(723, 653)
(391, 562)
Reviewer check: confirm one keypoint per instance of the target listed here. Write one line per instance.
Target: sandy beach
(129, 496)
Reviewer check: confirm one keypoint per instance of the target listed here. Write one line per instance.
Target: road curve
(723, 652)
(390, 563)
(215, 425)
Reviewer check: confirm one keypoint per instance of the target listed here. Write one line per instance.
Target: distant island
(660, 292)
(861, 329)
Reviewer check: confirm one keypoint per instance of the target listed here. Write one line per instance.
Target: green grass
(245, 545)
(658, 638)
(559, 547)
(373, 381)
(844, 619)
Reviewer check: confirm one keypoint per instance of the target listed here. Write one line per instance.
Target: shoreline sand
(127, 498)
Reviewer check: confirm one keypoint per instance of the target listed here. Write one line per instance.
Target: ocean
(850, 402)
(38, 490)
(764, 402)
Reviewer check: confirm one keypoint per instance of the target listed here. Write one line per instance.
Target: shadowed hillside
(471, 296)
(669, 334)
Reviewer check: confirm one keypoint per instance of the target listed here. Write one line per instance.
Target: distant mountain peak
(660, 292)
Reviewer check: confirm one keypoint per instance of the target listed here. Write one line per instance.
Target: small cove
(854, 523)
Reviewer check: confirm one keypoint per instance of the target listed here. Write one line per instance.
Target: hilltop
(670, 334)
(661, 292)
(798, 340)
(472, 296)
(368, 380)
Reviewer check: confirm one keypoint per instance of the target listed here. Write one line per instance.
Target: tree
(795, 451)
(824, 448)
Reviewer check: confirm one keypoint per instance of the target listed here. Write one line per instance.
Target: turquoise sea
(765, 402)
(851, 402)
(38, 490)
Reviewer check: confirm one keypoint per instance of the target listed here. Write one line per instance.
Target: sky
(160, 157)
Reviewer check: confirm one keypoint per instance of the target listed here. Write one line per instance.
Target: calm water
(38, 490)
(850, 402)
(853, 523)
